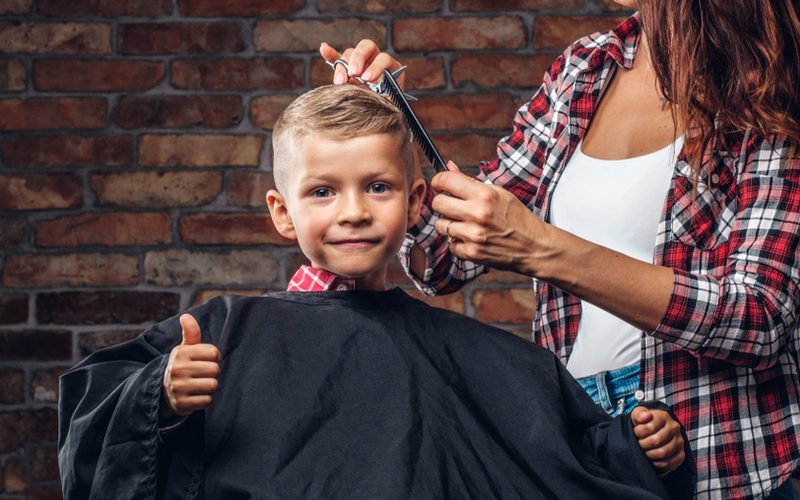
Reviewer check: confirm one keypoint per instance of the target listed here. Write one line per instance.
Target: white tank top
(616, 204)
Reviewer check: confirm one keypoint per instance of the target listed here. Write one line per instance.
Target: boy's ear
(416, 195)
(280, 215)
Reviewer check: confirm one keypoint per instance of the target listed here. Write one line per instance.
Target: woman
(651, 188)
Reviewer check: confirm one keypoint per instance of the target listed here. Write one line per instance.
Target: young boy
(353, 391)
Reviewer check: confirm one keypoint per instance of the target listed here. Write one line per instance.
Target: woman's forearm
(635, 291)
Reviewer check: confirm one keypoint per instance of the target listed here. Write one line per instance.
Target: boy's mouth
(354, 243)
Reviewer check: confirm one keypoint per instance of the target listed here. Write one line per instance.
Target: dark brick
(104, 307)
(40, 191)
(178, 111)
(106, 8)
(238, 74)
(71, 150)
(15, 474)
(44, 384)
(12, 75)
(35, 345)
(12, 231)
(89, 342)
(178, 38)
(249, 189)
(13, 308)
(12, 383)
(68, 75)
(214, 8)
(44, 113)
(22, 426)
(44, 463)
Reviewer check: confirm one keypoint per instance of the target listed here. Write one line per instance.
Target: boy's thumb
(190, 330)
(641, 415)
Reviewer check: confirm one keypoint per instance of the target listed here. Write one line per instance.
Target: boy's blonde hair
(339, 111)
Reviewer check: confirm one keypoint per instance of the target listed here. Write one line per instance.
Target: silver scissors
(380, 88)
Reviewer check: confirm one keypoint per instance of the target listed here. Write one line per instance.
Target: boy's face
(348, 203)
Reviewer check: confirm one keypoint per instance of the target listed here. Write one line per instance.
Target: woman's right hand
(365, 61)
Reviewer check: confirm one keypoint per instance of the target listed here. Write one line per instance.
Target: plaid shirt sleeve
(744, 312)
(519, 161)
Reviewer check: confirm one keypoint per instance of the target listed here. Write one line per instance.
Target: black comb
(393, 91)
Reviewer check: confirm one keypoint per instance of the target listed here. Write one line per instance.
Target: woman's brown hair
(727, 66)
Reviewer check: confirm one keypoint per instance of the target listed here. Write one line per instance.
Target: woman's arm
(741, 315)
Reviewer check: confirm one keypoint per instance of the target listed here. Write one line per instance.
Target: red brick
(35, 345)
(215, 8)
(172, 111)
(106, 75)
(453, 302)
(44, 462)
(44, 385)
(560, 31)
(503, 5)
(423, 73)
(15, 6)
(379, 6)
(177, 38)
(13, 75)
(292, 35)
(68, 150)
(156, 189)
(106, 8)
(249, 189)
(86, 269)
(105, 307)
(230, 229)
(39, 191)
(44, 492)
(200, 150)
(238, 74)
(265, 109)
(471, 33)
(232, 268)
(12, 382)
(12, 230)
(466, 150)
(496, 70)
(20, 426)
(504, 306)
(55, 38)
(104, 229)
(89, 342)
(459, 112)
(15, 474)
(52, 113)
(13, 308)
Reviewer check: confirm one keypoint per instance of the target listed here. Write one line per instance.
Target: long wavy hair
(727, 66)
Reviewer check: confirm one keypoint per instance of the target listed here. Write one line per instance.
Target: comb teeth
(417, 130)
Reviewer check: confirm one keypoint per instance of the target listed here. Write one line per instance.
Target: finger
(452, 167)
(190, 330)
(458, 184)
(658, 438)
(197, 369)
(381, 62)
(669, 464)
(363, 55)
(195, 387)
(329, 53)
(200, 352)
(664, 453)
(641, 415)
(446, 227)
(454, 207)
(191, 404)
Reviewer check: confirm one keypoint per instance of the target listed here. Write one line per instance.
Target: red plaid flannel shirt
(725, 354)
(313, 279)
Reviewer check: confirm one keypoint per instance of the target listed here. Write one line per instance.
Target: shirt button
(639, 395)
(714, 178)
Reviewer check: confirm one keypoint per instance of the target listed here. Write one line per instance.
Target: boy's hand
(660, 437)
(190, 379)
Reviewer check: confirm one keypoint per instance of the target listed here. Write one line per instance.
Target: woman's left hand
(487, 224)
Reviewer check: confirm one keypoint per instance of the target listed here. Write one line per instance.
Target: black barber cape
(350, 395)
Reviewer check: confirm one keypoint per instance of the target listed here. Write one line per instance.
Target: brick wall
(134, 159)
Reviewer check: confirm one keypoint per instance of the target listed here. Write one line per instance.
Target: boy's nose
(353, 210)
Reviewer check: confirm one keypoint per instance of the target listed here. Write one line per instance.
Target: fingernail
(353, 69)
(367, 76)
(338, 78)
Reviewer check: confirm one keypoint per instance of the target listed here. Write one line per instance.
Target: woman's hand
(365, 61)
(487, 224)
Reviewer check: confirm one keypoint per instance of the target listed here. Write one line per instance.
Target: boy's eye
(378, 188)
(321, 193)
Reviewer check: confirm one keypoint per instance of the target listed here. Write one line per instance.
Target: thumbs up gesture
(190, 379)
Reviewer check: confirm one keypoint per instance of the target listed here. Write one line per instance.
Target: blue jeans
(615, 390)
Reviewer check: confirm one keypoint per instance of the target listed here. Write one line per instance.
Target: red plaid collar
(312, 279)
